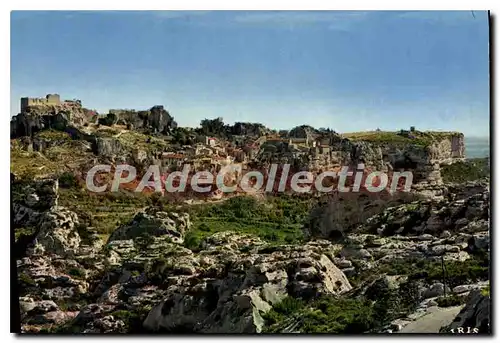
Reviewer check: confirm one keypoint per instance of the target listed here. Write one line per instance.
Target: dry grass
(53, 161)
(420, 137)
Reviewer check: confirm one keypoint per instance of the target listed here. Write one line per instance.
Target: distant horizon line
(485, 137)
(475, 136)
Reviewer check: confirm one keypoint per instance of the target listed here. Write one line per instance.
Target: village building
(206, 140)
(170, 159)
(299, 141)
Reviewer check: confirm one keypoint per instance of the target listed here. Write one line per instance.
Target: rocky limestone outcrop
(154, 223)
(31, 200)
(303, 131)
(464, 209)
(160, 120)
(110, 147)
(144, 280)
(235, 291)
(424, 160)
(248, 129)
(469, 215)
(156, 119)
(40, 142)
(224, 288)
(57, 232)
(38, 118)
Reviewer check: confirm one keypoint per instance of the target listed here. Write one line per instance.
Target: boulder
(58, 232)
(435, 290)
(479, 242)
(154, 223)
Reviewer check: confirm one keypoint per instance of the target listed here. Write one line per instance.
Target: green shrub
(204, 227)
(288, 305)
(271, 236)
(26, 280)
(429, 271)
(469, 170)
(122, 314)
(486, 291)
(451, 300)
(334, 315)
(192, 241)
(27, 232)
(77, 273)
(458, 273)
(277, 219)
(327, 314)
(68, 180)
(285, 308)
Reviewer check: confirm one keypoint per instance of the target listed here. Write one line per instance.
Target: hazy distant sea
(477, 147)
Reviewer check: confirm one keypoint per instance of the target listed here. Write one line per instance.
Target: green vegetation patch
(77, 273)
(456, 272)
(331, 314)
(66, 156)
(486, 291)
(326, 314)
(132, 318)
(22, 232)
(451, 300)
(422, 138)
(26, 280)
(68, 180)
(103, 211)
(276, 219)
(469, 170)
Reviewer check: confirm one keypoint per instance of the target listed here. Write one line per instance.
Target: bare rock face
(323, 222)
(424, 160)
(449, 149)
(27, 123)
(58, 233)
(249, 129)
(38, 118)
(303, 131)
(30, 200)
(160, 120)
(480, 241)
(109, 147)
(224, 288)
(156, 119)
(35, 205)
(237, 289)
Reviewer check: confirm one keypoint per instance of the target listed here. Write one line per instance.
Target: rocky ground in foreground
(146, 277)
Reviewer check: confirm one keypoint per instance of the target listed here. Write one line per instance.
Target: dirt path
(432, 322)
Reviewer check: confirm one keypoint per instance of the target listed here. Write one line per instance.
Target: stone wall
(49, 100)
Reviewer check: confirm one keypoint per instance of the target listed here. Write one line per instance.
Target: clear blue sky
(348, 71)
